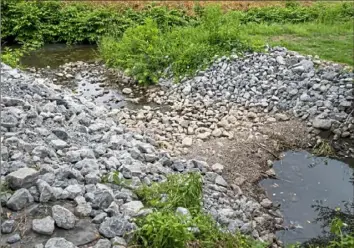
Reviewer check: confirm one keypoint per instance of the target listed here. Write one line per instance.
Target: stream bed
(304, 181)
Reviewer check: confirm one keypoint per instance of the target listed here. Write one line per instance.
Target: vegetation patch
(166, 227)
(185, 41)
(147, 53)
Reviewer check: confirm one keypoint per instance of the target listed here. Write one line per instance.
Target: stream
(302, 179)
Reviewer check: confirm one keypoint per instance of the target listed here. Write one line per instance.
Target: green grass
(330, 41)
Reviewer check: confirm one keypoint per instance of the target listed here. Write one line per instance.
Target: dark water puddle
(304, 181)
(54, 55)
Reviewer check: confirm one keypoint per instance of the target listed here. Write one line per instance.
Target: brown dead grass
(189, 5)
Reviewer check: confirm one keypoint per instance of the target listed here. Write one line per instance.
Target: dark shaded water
(54, 55)
(305, 180)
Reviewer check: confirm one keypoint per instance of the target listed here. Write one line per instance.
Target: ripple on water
(304, 180)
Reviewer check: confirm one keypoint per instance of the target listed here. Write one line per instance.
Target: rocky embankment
(55, 149)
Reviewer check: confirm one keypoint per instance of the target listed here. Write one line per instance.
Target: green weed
(5, 189)
(140, 52)
(178, 191)
(115, 178)
(323, 149)
(164, 228)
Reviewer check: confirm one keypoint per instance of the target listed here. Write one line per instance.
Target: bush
(295, 13)
(11, 57)
(140, 52)
(52, 21)
(145, 52)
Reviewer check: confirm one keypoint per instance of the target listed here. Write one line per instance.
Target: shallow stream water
(54, 55)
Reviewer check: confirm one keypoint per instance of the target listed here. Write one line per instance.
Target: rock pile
(247, 93)
(56, 148)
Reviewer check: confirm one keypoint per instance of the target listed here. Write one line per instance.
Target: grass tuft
(178, 191)
(323, 149)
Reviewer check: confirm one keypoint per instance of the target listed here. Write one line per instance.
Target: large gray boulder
(114, 226)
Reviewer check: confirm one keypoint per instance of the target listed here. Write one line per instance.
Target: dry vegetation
(189, 5)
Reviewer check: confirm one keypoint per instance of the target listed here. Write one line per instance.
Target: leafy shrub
(140, 52)
(146, 52)
(53, 21)
(11, 57)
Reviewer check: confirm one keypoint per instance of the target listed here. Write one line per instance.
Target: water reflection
(54, 55)
(305, 188)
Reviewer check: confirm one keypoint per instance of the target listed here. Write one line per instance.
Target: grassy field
(332, 42)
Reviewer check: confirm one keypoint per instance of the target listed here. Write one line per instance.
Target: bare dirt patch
(247, 157)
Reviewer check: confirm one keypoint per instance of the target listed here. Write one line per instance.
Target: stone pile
(57, 148)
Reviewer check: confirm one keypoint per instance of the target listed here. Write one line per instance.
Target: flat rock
(59, 243)
(22, 178)
(83, 233)
(59, 144)
(43, 226)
